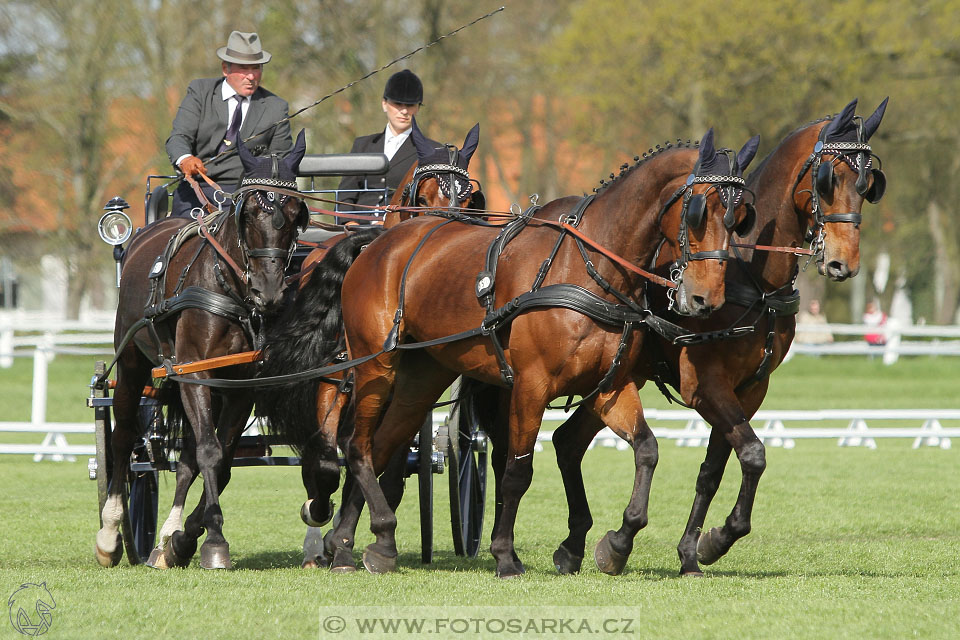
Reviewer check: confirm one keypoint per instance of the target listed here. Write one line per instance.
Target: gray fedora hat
(243, 48)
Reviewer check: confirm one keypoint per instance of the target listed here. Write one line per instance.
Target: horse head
(268, 216)
(697, 221)
(843, 173)
(440, 178)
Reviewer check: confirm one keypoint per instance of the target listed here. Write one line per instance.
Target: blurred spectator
(873, 317)
(813, 316)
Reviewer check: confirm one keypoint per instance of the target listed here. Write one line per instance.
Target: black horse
(191, 291)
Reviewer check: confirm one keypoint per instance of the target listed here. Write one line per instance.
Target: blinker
(696, 208)
(825, 179)
(877, 189)
(746, 225)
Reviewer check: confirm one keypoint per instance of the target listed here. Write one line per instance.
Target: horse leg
(339, 541)
(622, 412)
(708, 481)
(214, 455)
(163, 555)
(419, 382)
(525, 416)
(727, 411)
(320, 465)
(132, 375)
(571, 441)
(321, 476)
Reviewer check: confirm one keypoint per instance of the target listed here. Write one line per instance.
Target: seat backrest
(343, 164)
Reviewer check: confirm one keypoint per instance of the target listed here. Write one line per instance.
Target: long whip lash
(227, 152)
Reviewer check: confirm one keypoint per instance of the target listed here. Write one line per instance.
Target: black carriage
(458, 445)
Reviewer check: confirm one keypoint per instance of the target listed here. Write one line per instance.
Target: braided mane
(626, 169)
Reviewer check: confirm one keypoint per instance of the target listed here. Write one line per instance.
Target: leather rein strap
(798, 251)
(614, 257)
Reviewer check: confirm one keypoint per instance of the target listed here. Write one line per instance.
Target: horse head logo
(30, 609)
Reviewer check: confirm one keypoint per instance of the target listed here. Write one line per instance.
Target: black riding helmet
(404, 87)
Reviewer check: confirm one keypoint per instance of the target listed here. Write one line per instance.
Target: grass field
(846, 543)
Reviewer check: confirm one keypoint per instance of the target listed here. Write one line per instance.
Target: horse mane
(650, 154)
(309, 334)
(766, 158)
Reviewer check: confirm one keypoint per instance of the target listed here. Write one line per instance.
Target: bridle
(729, 189)
(859, 157)
(271, 195)
(454, 182)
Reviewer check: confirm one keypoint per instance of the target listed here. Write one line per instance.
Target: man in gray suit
(402, 99)
(217, 112)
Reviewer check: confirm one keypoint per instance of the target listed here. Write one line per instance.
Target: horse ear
(295, 155)
(870, 124)
(248, 160)
(469, 145)
(844, 118)
(424, 150)
(747, 153)
(707, 150)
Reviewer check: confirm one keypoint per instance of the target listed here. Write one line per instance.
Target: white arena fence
(42, 337)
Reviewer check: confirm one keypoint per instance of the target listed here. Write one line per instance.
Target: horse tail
(309, 334)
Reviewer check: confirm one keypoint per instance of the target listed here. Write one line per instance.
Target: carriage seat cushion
(343, 164)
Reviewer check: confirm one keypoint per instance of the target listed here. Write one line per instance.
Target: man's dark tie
(230, 138)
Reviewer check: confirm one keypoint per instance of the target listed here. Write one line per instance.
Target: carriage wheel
(467, 463)
(102, 431)
(425, 478)
(141, 500)
(143, 509)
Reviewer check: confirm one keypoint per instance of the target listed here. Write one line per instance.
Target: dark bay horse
(309, 335)
(551, 320)
(812, 185)
(189, 303)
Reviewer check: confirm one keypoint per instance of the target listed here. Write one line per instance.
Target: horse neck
(779, 222)
(625, 217)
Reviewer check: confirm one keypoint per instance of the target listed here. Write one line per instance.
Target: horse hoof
(376, 562)
(329, 545)
(315, 562)
(511, 571)
(608, 559)
(691, 574)
(565, 562)
(308, 519)
(215, 556)
(707, 550)
(178, 552)
(157, 559)
(341, 561)
(109, 558)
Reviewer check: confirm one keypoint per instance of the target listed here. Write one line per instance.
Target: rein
(205, 231)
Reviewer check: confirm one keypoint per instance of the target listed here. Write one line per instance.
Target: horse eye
(421, 201)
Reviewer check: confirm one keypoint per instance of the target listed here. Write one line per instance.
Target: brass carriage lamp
(115, 228)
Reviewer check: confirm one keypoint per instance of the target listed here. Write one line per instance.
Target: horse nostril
(838, 269)
(699, 302)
